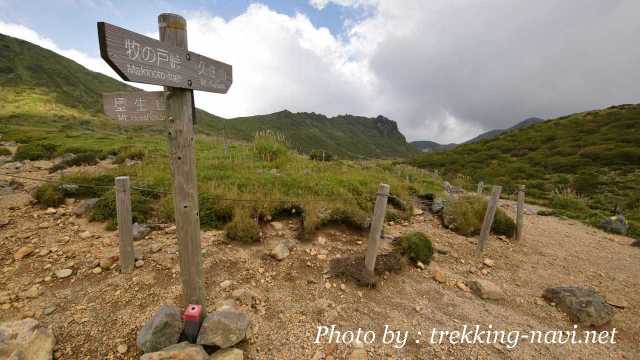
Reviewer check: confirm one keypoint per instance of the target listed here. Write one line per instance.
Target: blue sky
(68, 22)
(444, 70)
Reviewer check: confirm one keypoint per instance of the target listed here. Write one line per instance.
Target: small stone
(84, 206)
(583, 305)
(26, 339)
(462, 286)
(225, 284)
(51, 211)
(97, 270)
(617, 301)
(358, 354)
(245, 296)
(85, 235)
(322, 240)
(43, 252)
(139, 263)
(64, 273)
(327, 285)
(280, 252)
(277, 226)
(439, 276)
(32, 293)
(420, 265)
(48, 310)
(140, 231)
(486, 289)
(155, 247)
(343, 287)
(108, 261)
(488, 262)
(171, 230)
(23, 252)
(122, 349)
(228, 354)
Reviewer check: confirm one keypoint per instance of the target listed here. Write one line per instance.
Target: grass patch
(465, 215)
(49, 195)
(35, 151)
(416, 246)
(88, 158)
(4, 151)
(243, 228)
(106, 211)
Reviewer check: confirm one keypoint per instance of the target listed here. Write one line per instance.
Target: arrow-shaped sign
(139, 58)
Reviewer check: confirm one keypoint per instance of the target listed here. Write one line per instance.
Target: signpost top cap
(173, 21)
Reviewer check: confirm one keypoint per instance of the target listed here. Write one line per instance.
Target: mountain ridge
(43, 84)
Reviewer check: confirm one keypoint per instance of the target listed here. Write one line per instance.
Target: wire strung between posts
(143, 189)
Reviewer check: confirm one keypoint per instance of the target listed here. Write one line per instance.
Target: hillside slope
(594, 154)
(37, 86)
(346, 136)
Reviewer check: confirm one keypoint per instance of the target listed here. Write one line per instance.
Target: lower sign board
(135, 107)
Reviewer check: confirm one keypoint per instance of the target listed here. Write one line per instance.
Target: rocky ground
(60, 269)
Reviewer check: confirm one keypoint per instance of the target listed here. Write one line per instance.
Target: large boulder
(280, 252)
(437, 206)
(583, 305)
(162, 330)
(181, 351)
(615, 224)
(26, 339)
(224, 328)
(85, 206)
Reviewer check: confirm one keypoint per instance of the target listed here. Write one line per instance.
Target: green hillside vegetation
(344, 136)
(586, 165)
(50, 106)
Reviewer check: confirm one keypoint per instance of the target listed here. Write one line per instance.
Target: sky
(444, 70)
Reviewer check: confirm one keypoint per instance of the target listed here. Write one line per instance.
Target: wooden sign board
(139, 58)
(135, 107)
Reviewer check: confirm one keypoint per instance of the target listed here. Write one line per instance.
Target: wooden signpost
(135, 107)
(139, 58)
(168, 62)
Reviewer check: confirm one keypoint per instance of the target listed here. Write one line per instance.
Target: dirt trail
(92, 313)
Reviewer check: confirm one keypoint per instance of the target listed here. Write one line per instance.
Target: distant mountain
(432, 146)
(38, 84)
(427, 146)
(495, 133)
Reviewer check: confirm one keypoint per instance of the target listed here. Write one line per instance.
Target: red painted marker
(192, 321)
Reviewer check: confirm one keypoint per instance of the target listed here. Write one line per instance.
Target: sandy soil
(95, 313)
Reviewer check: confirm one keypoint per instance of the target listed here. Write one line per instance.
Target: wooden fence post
(520, 212)
(123, 208)
(173, 31)
(480, 187)
(376, 229)
(488, 217)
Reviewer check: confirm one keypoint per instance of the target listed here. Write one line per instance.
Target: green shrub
(49, 195)
(503, 224)
(213, 213)
(320, 155)
(4, 151)
(569, 201)
(88, 185)
(90, 158)
(392, 215)
(270, 146)
(105, 209)
(546, 213)
(465, 216)
(417, 247)
(243, 228)
(130, 154)
(35, 151)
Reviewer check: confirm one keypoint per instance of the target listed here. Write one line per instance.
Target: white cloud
(445, 70)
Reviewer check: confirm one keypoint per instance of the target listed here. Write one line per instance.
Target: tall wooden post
(376, 229)
(488, 217)
(520, 212)
(173, 31)
(480, 187)
(123, 208)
